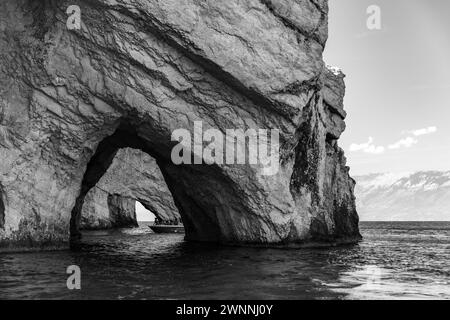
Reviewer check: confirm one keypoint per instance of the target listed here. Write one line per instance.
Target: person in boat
(160, 222)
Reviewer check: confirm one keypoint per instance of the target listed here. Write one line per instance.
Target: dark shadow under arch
(124, 137)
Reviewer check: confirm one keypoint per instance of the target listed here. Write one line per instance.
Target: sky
(143, 214)
(398, 83)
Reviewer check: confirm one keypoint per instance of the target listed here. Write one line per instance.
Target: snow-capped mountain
(419, 196)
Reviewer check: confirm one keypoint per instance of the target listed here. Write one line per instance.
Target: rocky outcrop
(102, 210)
(138, 70)
(133, 176)
(122, 211)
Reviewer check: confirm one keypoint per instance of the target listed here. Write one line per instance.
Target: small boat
(166, 228)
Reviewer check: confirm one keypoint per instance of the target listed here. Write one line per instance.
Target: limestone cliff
(133, 176)
(137, 70)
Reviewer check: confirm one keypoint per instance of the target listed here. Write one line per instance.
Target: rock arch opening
(160, 205)
(169, 207)
(97, 207)
(132, 184)
(2, 209)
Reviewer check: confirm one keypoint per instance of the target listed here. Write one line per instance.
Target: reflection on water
(395, 260)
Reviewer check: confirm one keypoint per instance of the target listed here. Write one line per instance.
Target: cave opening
(118, 206)
(202, 227)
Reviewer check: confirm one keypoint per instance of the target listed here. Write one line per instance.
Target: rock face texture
(102, 210)
(138, 70)
(133, 176)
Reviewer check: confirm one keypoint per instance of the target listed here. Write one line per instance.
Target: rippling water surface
(396, 260)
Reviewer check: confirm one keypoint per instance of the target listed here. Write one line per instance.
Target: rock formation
(138, 70)
(102, 210)
(133, 176)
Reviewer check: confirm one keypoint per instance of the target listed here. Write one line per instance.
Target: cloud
(422, 132)
(408, 142)
(367, 147)
(404, 143)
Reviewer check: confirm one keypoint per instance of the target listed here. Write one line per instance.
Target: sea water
(396, 260)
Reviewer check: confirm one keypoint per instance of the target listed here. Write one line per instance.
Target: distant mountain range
(419, 196)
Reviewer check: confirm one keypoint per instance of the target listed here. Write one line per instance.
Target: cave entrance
(183, 206)
(133, 189)
(106, 200)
